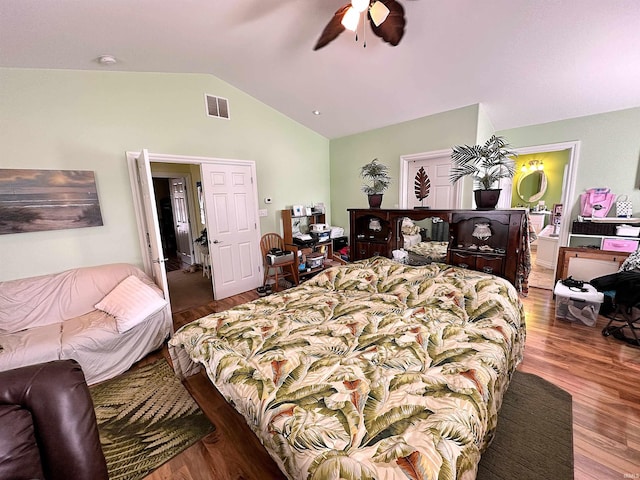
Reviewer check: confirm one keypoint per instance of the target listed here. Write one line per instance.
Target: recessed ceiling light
(316, 112)
(107, 60)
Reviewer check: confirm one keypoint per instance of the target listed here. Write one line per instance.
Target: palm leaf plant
(487, 163)
(378, 178)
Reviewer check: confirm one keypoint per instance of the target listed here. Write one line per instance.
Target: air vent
(217, 106)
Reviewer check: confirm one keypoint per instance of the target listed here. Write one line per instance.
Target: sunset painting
(37, 200)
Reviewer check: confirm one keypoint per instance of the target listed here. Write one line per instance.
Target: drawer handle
(463, 265)
(487, 269)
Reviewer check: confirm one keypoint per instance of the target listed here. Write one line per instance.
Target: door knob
(216, 241)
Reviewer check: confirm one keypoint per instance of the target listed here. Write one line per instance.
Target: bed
(370, 370)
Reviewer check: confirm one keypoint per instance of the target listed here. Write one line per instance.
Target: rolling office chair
(624, 289)
(280, 271)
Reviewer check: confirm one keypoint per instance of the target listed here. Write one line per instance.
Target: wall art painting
(38, 200)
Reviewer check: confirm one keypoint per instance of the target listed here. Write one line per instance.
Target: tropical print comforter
(371, 370)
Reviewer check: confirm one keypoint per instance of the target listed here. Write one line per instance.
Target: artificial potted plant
(202, 241)
(486, 164)
(377, 174)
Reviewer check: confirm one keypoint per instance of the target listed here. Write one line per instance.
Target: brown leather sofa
(48, 426)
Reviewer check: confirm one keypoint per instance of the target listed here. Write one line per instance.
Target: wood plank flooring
(601, 373)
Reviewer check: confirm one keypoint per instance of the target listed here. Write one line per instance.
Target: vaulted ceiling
(526, 61)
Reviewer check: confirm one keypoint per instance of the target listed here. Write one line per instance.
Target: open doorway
(555, 164)
(188, 279)
(230, 202)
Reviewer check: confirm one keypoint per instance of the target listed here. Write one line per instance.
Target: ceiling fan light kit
(386, 18)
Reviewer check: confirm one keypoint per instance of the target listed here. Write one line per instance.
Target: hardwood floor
(601, 373)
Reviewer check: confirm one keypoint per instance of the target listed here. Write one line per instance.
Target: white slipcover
(52, 317)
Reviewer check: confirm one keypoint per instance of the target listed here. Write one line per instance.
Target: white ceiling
(526, 61)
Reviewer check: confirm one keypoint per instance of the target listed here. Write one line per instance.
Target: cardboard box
(577, 306)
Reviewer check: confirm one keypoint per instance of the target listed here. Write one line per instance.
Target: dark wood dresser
(484, 240)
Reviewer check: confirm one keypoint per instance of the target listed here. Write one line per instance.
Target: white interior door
(180, 209)
(431, 169)
(232, 227)
(154, 261)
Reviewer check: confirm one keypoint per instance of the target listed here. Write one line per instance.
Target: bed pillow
(131, 302)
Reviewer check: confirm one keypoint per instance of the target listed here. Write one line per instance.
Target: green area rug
(145, 417)
(534, 438)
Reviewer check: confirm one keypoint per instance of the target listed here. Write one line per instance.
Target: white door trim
(404, 174)
(170, 158)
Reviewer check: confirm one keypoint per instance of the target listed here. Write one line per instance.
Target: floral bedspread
(371, 370)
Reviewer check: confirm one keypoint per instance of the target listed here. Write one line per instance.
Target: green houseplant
(486, 164)
(377, 176)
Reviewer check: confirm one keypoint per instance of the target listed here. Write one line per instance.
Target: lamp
(360, 5)
(379, 13)
(351, 19)
(533, 166)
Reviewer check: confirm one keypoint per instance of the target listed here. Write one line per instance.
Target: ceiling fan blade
(392, 29)
(333, 28)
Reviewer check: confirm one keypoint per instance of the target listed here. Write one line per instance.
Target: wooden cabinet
(487, 240)
(293, 224)
(378, 232)
(370, 233)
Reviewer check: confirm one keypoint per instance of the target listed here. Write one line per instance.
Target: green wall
(87, 120)
(609, 151)
(348, 154)
(81, 120)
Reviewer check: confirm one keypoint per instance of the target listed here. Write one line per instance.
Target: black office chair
(624, 290)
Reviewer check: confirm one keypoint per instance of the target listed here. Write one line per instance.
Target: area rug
(534, 438)
(145, 417)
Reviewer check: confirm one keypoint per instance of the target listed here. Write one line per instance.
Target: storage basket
(620, 245)
(627, 231)
(592, 228)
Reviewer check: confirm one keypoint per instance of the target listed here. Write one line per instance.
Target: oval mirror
(532, 186)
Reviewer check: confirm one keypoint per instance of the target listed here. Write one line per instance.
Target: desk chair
(280, 271)
(624, 288)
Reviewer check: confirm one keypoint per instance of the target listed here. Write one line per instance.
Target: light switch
(263, 212)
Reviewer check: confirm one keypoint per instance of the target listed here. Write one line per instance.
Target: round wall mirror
(532, 186)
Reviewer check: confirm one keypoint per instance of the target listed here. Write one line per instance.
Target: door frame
(404, 175)
(568, 182)
(184, 159)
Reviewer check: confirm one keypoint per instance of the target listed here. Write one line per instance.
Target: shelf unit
(291, 224)
(597, 241)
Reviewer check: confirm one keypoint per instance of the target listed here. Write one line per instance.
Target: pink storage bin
(620, 245)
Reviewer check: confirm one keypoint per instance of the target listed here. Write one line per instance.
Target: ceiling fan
(386, 18)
